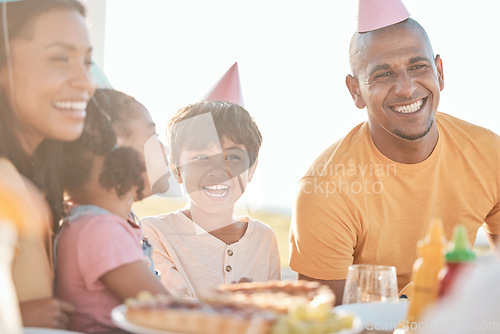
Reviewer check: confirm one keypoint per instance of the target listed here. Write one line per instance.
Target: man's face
(399, 83)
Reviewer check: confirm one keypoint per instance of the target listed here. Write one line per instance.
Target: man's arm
(337, 286)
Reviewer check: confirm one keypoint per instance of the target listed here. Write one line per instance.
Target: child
(100, 254)
(214, 154)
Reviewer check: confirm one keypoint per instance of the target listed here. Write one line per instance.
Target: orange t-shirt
(357, 206)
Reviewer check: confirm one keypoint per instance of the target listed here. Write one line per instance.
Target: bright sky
(293, 58)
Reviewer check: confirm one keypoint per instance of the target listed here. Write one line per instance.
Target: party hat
(376, 14)
(228, 88)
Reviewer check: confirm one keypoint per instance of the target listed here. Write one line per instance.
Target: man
(371, 196)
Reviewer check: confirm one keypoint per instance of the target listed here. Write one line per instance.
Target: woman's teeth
(71, 105)
(410, 108)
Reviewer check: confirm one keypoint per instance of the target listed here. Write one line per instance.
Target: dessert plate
(118, 315)
(39, 330)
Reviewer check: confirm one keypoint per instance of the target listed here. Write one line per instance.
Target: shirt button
(229, 252)
(228, 268)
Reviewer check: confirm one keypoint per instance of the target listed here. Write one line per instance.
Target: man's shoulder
(342, 151)
(463, 132)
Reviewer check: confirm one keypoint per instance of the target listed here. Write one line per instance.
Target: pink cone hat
(376, 14)
(228, 88)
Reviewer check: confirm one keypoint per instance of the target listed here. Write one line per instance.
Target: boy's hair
(231, 120)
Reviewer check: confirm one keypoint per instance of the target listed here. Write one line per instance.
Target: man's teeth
(71, 105)
(415, 106)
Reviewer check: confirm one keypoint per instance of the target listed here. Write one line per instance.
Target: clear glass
(367, 283)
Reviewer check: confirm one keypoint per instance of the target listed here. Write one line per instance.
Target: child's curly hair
(108, 114)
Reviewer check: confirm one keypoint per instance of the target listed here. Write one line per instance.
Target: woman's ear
(353, 85)
(175, 170)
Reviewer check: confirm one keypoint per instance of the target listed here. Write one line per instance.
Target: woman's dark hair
(108, 114)
(45, 165)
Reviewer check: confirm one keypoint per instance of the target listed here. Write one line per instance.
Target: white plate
(378, 316)
(120, 319)
(357, 324)
(39, 330)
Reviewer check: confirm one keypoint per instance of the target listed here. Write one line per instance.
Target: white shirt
(190, 259)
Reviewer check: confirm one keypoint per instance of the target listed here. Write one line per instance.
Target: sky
(293, 59)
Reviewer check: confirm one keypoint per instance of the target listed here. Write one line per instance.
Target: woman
(45, 84)
(100, 250)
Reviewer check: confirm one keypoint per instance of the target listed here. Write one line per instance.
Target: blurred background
(293, 59)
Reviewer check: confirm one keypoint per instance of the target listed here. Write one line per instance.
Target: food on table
(275, 307)
(280, 296)
(192, 316)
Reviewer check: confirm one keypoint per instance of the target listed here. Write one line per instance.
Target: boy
(214, 146)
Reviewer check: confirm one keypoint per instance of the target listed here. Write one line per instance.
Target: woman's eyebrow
(65, 45)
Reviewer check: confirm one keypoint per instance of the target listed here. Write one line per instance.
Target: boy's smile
(216, 190)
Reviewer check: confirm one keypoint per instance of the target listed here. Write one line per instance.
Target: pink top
(88, 247)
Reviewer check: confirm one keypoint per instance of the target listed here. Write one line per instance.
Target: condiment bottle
(426, 270)
(458, 259)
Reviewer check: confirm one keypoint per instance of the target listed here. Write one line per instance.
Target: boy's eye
(233, 157)
(201, 157)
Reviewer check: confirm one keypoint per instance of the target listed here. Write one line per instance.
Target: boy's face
(215, 177)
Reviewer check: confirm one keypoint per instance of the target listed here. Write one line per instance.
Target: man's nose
(405, 85)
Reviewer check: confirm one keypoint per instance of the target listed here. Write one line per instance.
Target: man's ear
(439, 67)
(175, 170)
(353, 85)
(251, 170)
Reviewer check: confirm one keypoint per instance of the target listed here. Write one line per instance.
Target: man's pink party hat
(376, 14)
(228, 88)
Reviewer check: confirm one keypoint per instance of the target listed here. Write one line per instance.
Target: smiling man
(371, 196)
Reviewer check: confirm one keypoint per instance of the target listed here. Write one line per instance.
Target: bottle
(460, 258)
(426, 270)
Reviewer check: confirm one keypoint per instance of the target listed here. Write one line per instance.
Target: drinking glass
(367, 283)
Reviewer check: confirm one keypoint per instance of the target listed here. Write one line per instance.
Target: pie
(234, 308)
(279, 296)
(193, 316)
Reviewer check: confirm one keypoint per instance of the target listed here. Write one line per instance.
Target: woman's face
(51, 81)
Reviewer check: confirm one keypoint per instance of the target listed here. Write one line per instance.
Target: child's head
(214, 148)
(116, 128)
(231, 121)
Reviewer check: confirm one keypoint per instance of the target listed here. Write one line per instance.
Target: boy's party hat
(228, 88)
(376, 14)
